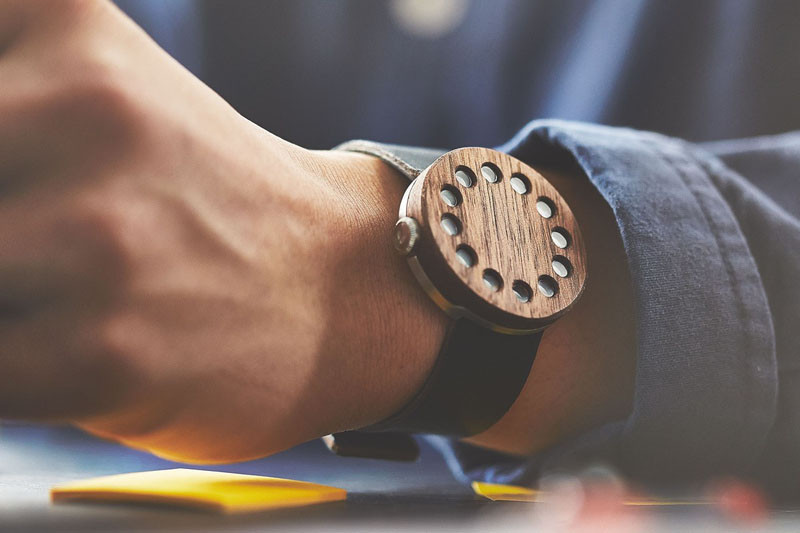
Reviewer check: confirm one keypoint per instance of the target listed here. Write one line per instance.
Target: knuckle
(111, 342)
(84, 88)
(101, 104)
(118, 351)
(67, 14)
(103, 228)
(66, 10)
(108, 353)
(95, 115)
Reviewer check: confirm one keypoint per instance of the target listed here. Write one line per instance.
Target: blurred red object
(739, 501)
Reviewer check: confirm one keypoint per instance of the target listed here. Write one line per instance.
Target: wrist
(387, 331)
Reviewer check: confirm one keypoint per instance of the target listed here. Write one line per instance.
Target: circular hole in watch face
(520, 184)
(561, 266)
(450, 224)
(547, 286)
(492, 280)
(544, 206)
(522, 291)
(466, 256)
(490, 172)
(465, 177)
(450, 195)
(560, 237)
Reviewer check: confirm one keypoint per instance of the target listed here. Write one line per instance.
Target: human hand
(173, 276)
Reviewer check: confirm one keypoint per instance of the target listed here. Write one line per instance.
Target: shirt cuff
(706, 378)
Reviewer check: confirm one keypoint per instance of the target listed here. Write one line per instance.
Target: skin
(180, 280)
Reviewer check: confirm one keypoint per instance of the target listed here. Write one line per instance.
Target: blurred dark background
(450, 73)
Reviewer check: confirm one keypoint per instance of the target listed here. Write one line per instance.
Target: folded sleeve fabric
(715, 264)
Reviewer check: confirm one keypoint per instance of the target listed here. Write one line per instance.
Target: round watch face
(490, 238)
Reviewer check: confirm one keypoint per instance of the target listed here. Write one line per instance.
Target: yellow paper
(505, 493)
(513, 493)
(216, 491)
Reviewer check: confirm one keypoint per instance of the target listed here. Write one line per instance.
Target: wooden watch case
(508, 234)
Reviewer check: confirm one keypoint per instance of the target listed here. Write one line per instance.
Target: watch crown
(406, 234)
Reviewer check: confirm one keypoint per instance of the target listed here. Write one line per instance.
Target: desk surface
(382, 495)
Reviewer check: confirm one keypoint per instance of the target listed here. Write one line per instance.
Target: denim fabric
(714, 263)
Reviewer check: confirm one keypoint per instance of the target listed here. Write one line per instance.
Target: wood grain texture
(507, 234)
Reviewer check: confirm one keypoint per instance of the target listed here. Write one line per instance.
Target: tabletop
(382, 495)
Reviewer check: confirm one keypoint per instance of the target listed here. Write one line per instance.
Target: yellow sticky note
(216, 491)
(513, 493)
(505, 493)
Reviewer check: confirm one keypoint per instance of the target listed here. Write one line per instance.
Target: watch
(496, 247)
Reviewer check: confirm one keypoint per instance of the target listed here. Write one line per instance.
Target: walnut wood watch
(494, 244)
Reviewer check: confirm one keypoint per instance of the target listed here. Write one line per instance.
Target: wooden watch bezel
(491, 214)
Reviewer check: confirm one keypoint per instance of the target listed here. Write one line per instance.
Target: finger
(48, 132)
(52, 252)
(13, 15)
(51, 369)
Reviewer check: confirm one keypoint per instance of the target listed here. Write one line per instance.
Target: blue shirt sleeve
(714, 263)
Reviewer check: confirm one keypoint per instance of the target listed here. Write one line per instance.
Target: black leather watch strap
(477, 375)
